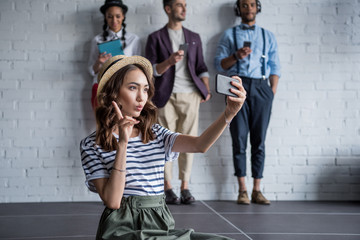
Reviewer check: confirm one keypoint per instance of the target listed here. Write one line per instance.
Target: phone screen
(184, 47)
(247, 44)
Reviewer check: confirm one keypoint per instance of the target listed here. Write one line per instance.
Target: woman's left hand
(234, 104)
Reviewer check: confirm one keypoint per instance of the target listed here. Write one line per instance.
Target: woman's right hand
(125, 125)
(234, 104)
(103, 57)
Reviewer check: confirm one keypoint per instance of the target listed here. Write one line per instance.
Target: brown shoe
(243, 198)
(186, 197)
(257, 197)
(171, 198)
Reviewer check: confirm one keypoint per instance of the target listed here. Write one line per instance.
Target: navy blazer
(159, 48)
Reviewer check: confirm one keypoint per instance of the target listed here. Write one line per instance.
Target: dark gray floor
(279, 221)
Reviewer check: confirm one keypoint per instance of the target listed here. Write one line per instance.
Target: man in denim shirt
(257, 64)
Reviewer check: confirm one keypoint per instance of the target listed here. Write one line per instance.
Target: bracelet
(227, 121)
(120, 170)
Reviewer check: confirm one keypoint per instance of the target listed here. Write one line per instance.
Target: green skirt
(144, 217)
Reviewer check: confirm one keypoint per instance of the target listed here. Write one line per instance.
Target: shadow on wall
(93, 27)
(338, 181)
(157, 20)
(227, 19)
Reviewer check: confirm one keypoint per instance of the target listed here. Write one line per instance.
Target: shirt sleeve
(204, 74)
(138, 50)
(133, 45)
(223, 50)
(156, 74)
(168, 137)
(92, 163)
(274, 61)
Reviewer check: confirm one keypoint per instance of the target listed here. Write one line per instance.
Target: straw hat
(115, 63)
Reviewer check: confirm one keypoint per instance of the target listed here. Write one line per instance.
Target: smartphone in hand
(247, 44)
(184, 47)
(223, 85)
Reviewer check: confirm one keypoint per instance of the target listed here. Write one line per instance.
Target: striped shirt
(144, 162)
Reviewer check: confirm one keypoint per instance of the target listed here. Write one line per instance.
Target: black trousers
(253, 118)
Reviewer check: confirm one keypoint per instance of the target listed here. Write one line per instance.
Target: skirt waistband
(143, 201)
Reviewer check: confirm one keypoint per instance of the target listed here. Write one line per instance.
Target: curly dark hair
(106, 116)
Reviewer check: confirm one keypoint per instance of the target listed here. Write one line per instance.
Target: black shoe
(186, 197)
(171, 197)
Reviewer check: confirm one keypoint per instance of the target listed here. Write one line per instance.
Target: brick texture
(313, 142)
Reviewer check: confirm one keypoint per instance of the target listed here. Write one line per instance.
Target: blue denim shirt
(251, 65)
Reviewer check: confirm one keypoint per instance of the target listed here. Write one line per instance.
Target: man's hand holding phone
(175, 57)
(247, 44)
(178, 55)
(183, 48)
(243, 52)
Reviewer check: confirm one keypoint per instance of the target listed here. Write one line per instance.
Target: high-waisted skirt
(144, 217)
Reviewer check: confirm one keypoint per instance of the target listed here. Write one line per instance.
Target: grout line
(291, 213)
(51, 237)
(311, 234)
(182, 213)
(272, 213)
(226, 220)
(49, 215)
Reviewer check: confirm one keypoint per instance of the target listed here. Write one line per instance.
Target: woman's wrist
(228, 118)
(122, 144)
(119, 170)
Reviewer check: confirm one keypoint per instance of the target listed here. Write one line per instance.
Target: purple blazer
(158, 49)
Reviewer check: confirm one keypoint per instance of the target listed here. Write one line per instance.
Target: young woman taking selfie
(124, 158)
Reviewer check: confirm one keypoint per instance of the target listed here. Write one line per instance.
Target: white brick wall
(313, 144)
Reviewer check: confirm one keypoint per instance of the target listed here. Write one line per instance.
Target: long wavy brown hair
(106, 118)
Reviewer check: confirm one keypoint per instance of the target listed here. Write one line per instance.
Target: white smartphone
(223, 85)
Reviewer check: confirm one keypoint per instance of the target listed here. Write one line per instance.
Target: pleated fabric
(145, 217)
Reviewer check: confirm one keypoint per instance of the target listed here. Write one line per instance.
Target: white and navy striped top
(144, 162)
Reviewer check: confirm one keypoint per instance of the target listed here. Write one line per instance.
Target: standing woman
(114, 27)
(124, 158)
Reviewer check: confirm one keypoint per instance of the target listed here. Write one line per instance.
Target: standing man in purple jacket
(181, 84)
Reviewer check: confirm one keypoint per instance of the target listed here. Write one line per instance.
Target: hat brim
(115, 63)
(108, 5)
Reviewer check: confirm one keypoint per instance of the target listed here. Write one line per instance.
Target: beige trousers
(181, 114)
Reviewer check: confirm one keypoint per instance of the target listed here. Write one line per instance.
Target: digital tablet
(114, 47)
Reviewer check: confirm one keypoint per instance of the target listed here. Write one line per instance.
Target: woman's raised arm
(192, 144)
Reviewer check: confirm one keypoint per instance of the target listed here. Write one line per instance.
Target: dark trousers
(253, 118)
